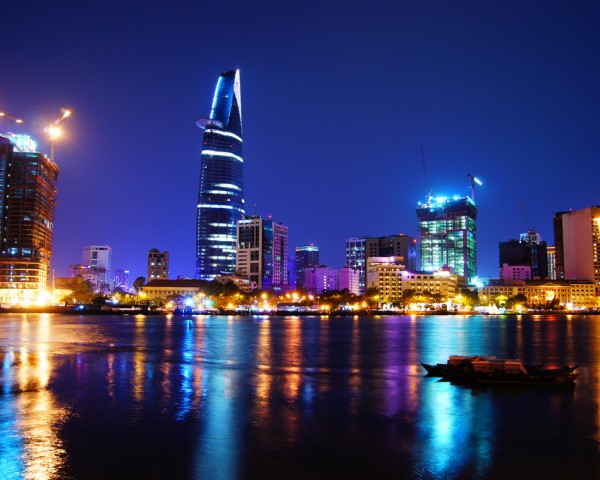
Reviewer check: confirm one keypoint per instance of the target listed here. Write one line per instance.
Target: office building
(98, 257)
(321, 279)
(529, 251)
(95, 276)
(28, 182)
(559, 260)
(121, 279)
(359, 249)
(447, 235)
(578, 245)
(385, 275)
(262, 252)
(514, 272)
(221, 189)
(307, 257)
(348, 279)
(551, 255)
(158, 265)
(291, 268)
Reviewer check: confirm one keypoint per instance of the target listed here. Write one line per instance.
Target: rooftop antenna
(428, 190)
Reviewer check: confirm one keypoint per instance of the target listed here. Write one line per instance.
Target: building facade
(551, 255)
(28, 181)
(579, 245)
(321, 279)
(514, 272)
(221, 188)
(99, 257)
(348, 279)
(158, 265)
(261, 254)
(529, 251)
(566, 293)
(359, 249)
(95, 276)
(391, 280)
(447, 235)
(385, 275)
(307, 257)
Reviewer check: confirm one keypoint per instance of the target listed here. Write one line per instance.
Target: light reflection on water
(260, 397)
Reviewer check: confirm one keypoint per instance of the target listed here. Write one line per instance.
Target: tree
(138, 283)
(82, 293)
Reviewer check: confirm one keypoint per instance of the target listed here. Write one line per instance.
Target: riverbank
(145, 310)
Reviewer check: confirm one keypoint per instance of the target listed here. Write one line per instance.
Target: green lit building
(447, 232)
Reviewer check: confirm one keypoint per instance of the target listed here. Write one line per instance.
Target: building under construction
(447, 233)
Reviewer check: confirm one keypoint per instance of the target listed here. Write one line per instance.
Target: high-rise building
(307, 256)
(99, 256)
(359, 249)
(321, 279)
(447, 235)
(262, 252)
(121, 279)
(551, 253)
(348, 279)
(579, 245)
(291, 268)
(27, 197)
(559, 257)
(528, 251)
(158, 265)
(221, 189)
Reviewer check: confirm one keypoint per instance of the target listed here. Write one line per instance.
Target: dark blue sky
(336, 99)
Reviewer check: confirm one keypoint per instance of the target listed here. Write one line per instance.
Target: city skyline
(334, 119)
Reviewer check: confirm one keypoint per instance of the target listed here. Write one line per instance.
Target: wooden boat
(493, 370)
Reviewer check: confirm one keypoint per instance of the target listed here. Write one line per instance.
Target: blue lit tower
(221, 191)
(447, 234)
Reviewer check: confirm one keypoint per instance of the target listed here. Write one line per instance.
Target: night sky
(337, 97)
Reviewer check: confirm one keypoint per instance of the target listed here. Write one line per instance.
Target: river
(215, 397)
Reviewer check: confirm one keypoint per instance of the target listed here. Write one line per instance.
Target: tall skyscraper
(447, 235)
(360, 249)
(307, 256)
(221, 189)
(579, 244)
(27, 198)
(262, 252)
(158, 265)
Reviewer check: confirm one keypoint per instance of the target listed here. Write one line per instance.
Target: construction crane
(474, 181)
(529, 227)
(428, 190)
(6, 115)
(54, 131)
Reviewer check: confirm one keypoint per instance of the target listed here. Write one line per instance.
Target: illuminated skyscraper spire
(221, 190)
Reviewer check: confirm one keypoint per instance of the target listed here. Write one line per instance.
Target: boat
(492, 370)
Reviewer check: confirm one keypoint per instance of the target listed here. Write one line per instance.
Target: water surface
(86, 397)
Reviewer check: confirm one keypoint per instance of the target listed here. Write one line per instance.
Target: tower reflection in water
(29, 412)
